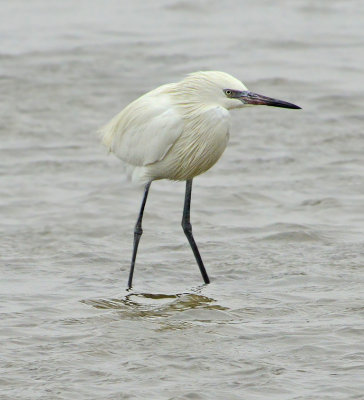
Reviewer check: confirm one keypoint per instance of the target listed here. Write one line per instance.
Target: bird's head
(222, 89)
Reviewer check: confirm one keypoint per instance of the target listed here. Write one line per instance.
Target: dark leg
(138, 233)
(187, 228)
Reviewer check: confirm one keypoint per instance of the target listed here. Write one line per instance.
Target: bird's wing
(145, 130)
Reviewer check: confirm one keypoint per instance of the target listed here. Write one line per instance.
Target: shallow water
(279, 220)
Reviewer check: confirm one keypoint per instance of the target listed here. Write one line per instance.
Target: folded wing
(145, 130)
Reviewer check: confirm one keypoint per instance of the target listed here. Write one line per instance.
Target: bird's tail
(106, 137)
(107, 133)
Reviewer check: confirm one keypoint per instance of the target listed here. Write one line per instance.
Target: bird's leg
(187, 228)
(138, 233)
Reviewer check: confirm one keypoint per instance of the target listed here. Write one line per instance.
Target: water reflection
(155, 305)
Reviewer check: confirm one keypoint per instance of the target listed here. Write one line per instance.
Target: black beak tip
(285, 104)
(296, 107)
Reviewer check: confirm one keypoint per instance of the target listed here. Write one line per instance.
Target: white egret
(176, 132)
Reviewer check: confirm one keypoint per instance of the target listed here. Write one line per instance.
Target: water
(279, 220)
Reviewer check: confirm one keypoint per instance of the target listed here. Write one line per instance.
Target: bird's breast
(201, 144)
(212, 129)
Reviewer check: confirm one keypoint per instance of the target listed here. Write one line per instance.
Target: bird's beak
(257, 99)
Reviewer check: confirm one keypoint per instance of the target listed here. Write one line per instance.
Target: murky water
(279, 220)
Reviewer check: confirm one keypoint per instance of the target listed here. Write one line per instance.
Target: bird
(177, 132)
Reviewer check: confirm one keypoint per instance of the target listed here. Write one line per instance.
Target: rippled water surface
(279, 220)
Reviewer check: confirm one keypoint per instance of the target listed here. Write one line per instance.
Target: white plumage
(176, 131)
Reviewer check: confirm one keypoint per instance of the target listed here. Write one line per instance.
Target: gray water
(279, 220)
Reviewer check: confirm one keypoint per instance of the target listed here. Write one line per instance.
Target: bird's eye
(228, 92)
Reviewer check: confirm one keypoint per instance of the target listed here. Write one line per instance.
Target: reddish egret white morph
(179, 131)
